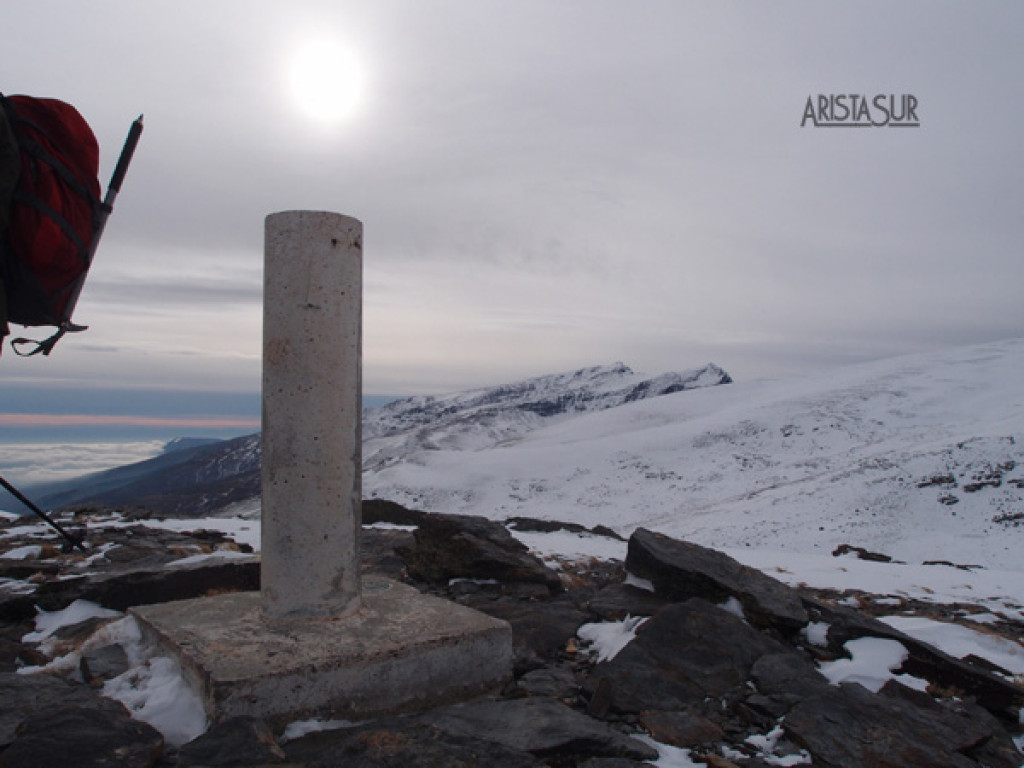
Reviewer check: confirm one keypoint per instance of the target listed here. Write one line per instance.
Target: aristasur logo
(854, 110)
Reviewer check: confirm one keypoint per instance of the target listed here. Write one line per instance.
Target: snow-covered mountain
(484, 418)
(205, 478)
(921, 458)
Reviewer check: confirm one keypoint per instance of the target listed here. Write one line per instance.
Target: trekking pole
(114, 187)
(107, 206)
(72, 540)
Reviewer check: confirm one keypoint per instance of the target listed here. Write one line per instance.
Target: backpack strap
(45, 347)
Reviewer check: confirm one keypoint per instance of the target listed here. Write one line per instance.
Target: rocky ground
(735, 687)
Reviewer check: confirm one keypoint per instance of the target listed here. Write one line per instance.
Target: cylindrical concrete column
(312, 412)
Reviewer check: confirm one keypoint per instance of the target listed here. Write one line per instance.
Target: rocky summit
(716, 664)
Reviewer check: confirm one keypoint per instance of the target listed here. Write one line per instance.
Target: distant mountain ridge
(482, 418)
(203, 479)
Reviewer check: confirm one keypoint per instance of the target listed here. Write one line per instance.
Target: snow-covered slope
(483, 418)
(921, 458)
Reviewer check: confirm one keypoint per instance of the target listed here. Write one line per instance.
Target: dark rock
(378, 555)
(555, 682)
(77, 737)
(542, 727)
(27, 696)
(14, 655)
(541, 629)
(787, 673)
(612, 762)
(680, 570)
(23, 569)
(861, 553)
(123, 589)
(534, 525)
(680, 656)
(102, 664)
(456, 546)
(849, 726)
(616, 601)
(15, 608)
(241, 742)
(402, 744)
(680, 729)
(382, 511)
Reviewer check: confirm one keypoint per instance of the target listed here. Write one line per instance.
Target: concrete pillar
(312, 412)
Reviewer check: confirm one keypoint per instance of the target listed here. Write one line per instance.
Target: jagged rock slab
(234, 743)
(680, 570)
(79, 737)
(849, 726)
(540, 726)
(685, 653)
(469, 547)
(401, 744)
(124, 589)
(26, 696)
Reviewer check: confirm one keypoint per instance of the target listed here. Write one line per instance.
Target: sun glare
(326, 81)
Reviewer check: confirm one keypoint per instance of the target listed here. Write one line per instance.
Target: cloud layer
(546, 185)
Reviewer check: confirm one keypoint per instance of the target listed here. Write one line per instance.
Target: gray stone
(103, 664)
(680, 729)
(685, 653)
(787, 673)
(124, 589)
(616, 601)
(556, 682)
(402, 744)
(76, 737)
(851, 727)
(469, 547)
(241, 742)
(540, 726)
(680, 570)
(28, 696)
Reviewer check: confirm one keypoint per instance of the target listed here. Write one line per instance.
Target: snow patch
(871, 664)
(606, 638)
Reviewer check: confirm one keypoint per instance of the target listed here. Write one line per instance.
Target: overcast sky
(544, 185)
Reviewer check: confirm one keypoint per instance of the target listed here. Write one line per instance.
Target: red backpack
(56, 216)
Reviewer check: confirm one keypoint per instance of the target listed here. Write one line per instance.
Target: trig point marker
(312, 409)
(316, 639)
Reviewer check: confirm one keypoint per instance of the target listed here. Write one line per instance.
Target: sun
(326, 80)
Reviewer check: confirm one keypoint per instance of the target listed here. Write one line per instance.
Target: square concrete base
(403, 651)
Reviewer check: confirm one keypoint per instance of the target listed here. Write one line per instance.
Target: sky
(543, 186)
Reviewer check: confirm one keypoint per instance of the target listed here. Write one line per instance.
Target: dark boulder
(680, 570)
(25, 697)
(685, 653)
(79, 737)
(123, 589)
(401, 744)
(851, 727)
(468, 547)
(616, 601)
(543, 727)
(240, 742)
(680, 729)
